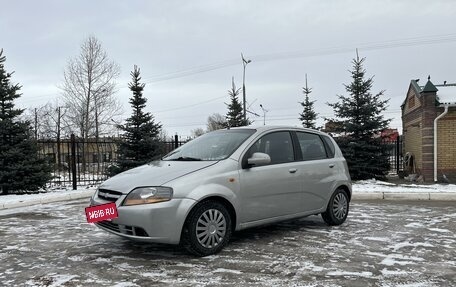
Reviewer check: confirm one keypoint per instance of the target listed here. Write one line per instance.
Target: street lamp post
(264, 114)
(244, 63)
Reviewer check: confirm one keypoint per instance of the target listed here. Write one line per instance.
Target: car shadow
(266, 233)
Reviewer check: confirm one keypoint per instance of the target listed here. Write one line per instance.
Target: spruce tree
(235, 117)
(362, 122)
(140, 143)
(21, 169)
(308, 115)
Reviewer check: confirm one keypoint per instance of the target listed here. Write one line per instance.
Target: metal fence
(77, 162)
(394, 150)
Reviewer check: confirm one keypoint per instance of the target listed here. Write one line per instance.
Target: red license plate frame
(107, 211)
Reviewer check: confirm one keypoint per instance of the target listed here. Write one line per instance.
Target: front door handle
(292, 170)
(331, 165)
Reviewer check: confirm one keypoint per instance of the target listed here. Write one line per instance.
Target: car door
(317, 170)
(275, 189)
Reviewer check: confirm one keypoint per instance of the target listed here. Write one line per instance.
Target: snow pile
(373, 185)
(8, 201)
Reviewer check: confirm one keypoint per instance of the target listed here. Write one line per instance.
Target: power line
(406, 42)
(380, 45)
(189, 106)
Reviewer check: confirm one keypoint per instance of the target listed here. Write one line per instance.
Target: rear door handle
(331, 165)
(292, 170)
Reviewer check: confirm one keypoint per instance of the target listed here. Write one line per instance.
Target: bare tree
(215, 122)
(197, 132)
(163, 136)
(88, 90)
(48, 121)
(48, 124)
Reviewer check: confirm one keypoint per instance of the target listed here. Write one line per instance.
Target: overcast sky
(189, 50)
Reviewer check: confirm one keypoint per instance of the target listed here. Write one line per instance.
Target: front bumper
(157, 222)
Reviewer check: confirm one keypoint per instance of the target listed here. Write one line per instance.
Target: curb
(434, 196)
(55, 198)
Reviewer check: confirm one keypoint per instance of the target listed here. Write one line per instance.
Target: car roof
(278, 127)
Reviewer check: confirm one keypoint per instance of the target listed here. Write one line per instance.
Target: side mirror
(259, 158)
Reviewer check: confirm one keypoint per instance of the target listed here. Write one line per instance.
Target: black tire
(217, 217)
(337, 209)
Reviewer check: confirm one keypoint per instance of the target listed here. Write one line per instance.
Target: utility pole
(36, 125)
(244, 63)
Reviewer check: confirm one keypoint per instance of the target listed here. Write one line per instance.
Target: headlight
(151, 194)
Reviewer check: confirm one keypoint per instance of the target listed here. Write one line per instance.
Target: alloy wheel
(211, 228)
(340, 206)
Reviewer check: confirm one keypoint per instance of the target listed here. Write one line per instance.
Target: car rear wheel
(337, 209)
(207, 228)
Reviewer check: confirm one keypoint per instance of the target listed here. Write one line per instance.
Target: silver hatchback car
(228, 180)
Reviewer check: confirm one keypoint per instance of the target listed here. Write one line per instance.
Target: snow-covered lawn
(373, 185)
(18, 200)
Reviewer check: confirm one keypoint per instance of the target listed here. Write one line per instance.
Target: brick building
(429, 130)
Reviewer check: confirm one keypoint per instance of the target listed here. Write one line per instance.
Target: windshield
(211, 146)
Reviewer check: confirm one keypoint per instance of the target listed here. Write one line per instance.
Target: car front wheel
(337, 209)
(207, 229)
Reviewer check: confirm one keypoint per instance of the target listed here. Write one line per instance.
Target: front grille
(109, 195)
(109, 225)
(124, 229)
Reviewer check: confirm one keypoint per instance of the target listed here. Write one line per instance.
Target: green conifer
(361, 115)
(21, 169)
(235, 117)
(140, 143)
(308, 115)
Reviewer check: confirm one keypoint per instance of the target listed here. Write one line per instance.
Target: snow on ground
(42, 197)
(400, 245)
(373, 185)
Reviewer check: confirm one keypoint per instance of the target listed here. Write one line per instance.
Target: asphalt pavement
(383, 243)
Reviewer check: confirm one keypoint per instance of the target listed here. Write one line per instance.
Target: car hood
(156, 173)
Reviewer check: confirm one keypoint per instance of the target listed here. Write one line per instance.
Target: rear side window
(312, 146)
(278, 145)
(329, 146)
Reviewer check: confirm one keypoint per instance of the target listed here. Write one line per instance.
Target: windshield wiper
(186, 158)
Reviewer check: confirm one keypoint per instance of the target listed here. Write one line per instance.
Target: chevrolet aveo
(228, 180)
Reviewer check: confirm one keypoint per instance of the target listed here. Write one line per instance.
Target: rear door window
(312, 147)
(329, 146)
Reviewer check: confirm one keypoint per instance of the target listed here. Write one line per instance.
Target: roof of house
(429, 87)
(414, 84)
(446, 93)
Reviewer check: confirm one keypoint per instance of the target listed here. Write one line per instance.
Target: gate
(395, 157)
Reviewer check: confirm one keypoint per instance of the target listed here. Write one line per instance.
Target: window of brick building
(411, 102)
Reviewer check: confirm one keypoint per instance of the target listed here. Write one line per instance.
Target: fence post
(397, 154)
(176, 141)
(73, 161)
